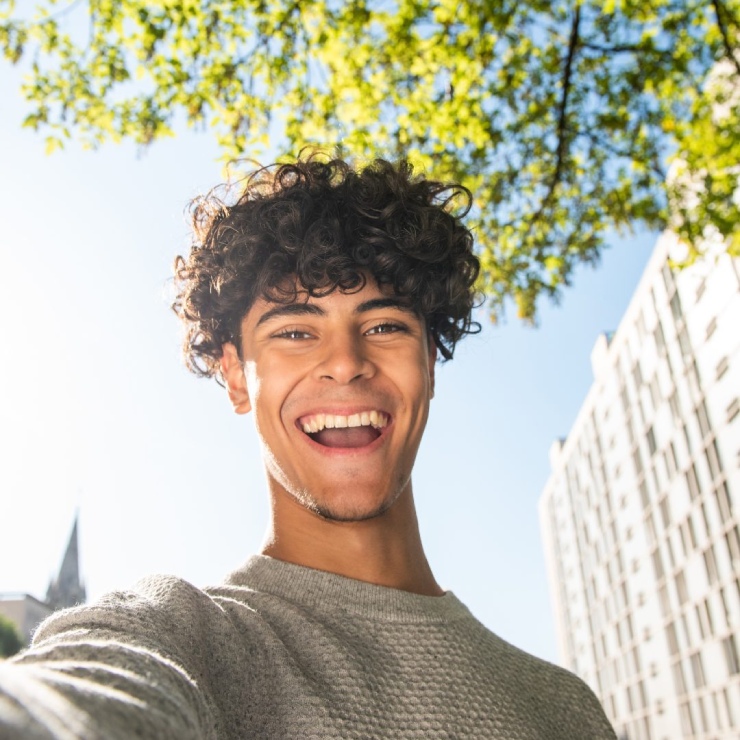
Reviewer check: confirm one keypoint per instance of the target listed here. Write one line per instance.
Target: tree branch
(618, 49)
(562, 124)
(719, 11)
(563, 111)
(60, 13)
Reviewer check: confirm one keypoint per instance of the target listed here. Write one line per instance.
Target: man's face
(340, 388)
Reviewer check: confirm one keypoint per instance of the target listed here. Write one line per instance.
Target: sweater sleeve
(131, 665)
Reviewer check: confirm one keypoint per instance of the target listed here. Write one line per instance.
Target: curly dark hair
(328, 225)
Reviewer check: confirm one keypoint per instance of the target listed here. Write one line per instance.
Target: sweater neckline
(323, 591)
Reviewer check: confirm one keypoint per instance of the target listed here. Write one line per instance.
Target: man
(322, 298)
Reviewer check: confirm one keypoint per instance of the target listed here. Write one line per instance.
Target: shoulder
(562, 700)
(156, 598)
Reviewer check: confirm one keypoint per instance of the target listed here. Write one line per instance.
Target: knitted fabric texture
(282, 651)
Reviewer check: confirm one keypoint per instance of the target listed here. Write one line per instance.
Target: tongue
(348, 437)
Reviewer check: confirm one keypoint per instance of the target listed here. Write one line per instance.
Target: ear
(432, 363)
(232, 370)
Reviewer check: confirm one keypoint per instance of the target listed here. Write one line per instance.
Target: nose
(345, 360)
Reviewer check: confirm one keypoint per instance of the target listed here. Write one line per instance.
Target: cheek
(270, 387)
(253, 381)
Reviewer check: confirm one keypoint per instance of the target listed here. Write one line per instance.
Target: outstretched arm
(127, 666)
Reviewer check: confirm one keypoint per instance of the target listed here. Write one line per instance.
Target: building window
(704, 619)
(717, 714)
(724, 502)
(637, 461)
(678, 678)
(703, 418)
(705, 518)
(672, 637)
(710, 563)
(630, 429)
(665, 602)
(702, 713)
(687, 634)
(650, 527)
(676, 307)
(713, 459)
(669, 364)
(625, 399)
(684, 343)
(675, 408)
(672, 458)
(687, 722)
(655, 395)
(643, 697)
(731, 656)
(669, 547)
(732, 539)
(690, 531)
(733, 410)
(657, 564)
(722, 367)
(697, 669)
(700, 622)
(652, 446)
(692, 481)
(682, 539)
(681, 590)
(694, 378)
(667, 278)
(700, 290)
(708, 613)
(665, 512)
(659, 337)
(711, 327)
(613, 705)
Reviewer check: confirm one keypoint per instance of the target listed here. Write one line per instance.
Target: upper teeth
(317, 422)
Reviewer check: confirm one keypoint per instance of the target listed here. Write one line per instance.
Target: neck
(385, 550)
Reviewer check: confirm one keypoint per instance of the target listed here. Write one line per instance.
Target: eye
(292, 334)
(387, 327)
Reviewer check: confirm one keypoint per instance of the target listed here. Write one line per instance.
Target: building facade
(641, 513)
(25, 611)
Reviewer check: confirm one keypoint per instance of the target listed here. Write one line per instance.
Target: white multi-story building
(641, 513)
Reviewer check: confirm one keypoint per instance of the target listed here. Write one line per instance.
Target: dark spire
(67, 589)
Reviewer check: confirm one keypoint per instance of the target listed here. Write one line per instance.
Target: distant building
(641, 513)
(67, 589)
(27, 612)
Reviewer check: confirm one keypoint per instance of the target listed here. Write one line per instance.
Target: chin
(346, 514)
(354, 508)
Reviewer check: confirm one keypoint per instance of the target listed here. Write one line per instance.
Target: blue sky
(97, 412)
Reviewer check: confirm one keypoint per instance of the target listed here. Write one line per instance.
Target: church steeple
(67, 589)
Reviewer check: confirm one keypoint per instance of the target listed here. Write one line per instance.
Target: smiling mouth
(336, 430)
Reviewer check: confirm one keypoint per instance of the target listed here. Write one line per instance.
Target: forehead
(368, 297)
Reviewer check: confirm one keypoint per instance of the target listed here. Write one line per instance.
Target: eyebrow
(313, 309)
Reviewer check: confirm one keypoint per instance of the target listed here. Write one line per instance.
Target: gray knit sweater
(282, 651)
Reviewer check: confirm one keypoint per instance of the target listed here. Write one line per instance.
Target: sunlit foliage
(563, 117)
(10, 640)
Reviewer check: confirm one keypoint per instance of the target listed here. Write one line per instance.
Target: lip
(345, 451)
